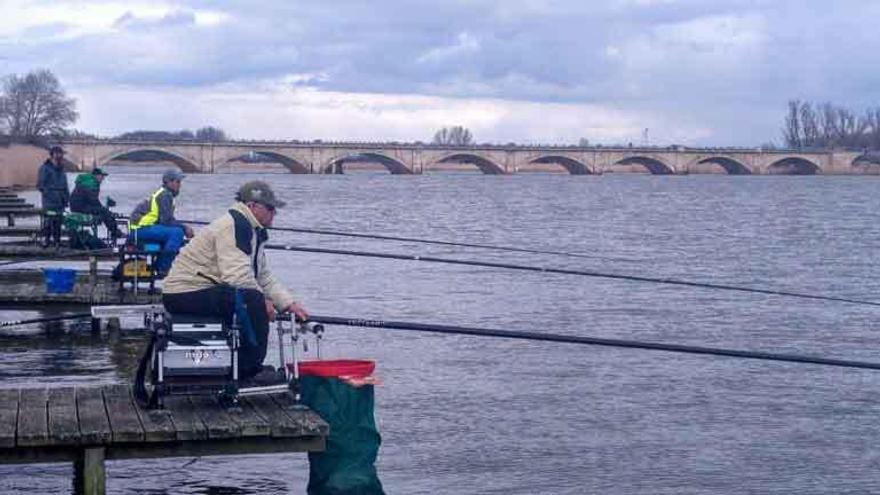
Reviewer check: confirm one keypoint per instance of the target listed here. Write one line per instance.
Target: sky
(657, 72)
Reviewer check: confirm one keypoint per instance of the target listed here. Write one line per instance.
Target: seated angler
(228, 256)
(153, 221)
(84, 199)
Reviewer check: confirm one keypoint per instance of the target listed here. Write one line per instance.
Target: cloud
(465, 44)
(281, 111)
(723, 68)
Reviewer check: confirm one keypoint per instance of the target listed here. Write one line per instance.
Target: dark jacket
(165, 202)
(52, 183)
(84, 198)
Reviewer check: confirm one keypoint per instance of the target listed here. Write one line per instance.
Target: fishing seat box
(198, 350)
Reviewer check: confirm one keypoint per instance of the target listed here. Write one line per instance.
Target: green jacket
(84, 198)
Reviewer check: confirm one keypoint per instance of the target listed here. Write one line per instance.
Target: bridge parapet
(417, 158)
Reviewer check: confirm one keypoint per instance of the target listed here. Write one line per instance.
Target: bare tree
(35, 105)
(792, 133)
(211, 134)
(828, 126)
(457, 136)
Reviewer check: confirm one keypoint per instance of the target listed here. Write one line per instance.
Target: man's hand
(270, 309)
(188, 232)
(297, 310)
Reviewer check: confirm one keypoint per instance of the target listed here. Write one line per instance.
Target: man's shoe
(268, 376)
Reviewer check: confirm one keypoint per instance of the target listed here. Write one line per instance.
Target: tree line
(826, 125)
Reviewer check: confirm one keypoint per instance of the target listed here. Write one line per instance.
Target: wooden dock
(27, 286)
(11, 250)
(87, 425)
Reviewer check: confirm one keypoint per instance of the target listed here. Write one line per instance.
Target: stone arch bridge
(416, 158)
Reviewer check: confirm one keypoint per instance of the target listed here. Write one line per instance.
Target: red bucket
(352, 368)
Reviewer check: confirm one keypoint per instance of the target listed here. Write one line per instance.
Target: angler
(227, 259)
(153, 221)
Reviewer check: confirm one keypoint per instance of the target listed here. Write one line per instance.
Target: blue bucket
(59, 280)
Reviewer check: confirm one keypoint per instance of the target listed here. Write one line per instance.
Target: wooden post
(89, 476)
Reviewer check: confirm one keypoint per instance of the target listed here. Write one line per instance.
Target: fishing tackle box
(198, 350)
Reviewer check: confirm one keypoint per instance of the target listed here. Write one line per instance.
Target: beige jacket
(219, 253)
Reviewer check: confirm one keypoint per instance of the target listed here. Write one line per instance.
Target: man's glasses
(269, 208)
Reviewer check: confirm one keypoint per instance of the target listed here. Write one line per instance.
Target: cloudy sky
(713, 72)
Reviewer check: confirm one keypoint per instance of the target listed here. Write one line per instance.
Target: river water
(476, 415)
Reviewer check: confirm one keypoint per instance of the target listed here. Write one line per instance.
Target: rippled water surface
(470, 415)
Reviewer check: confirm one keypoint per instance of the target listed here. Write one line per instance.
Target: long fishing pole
(13, 323)
(431, 241)
(583, 273)
(571, 339)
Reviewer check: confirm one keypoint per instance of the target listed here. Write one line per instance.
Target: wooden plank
(33, 417)
(157, 423)
(8, 416)
(20, 210)
(187, 424)
(280, 423)
(63, 424)
(215, 417)
(249, 421)
(312, 424)
(227, 446)
(94, 426)
(124, 420)
(18, 231)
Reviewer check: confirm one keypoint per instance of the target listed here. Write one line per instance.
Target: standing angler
(153, 221)
(52, 183)
(226, 261)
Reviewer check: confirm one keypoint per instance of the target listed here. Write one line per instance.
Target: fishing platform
(27, 286)
(90, 424)
(30, 249)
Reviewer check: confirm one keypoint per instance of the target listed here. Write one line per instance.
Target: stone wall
(19, 164)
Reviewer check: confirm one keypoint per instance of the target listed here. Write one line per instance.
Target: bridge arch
(184, 163)
(793, 165)
(290, 163)
(574, 167)
(336, 164)
(485, 165)
(731, 166)
(655, 166)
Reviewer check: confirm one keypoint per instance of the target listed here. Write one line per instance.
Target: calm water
(469, 415)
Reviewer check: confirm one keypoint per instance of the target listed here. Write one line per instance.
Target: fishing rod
(431, 241)
(571, 339)
(13, 323)
(583, 273)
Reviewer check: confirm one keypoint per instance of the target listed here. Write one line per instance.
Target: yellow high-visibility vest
(151, 216)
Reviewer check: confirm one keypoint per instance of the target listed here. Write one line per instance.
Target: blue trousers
(170, 237)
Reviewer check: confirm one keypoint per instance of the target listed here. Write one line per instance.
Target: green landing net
(347, 466)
